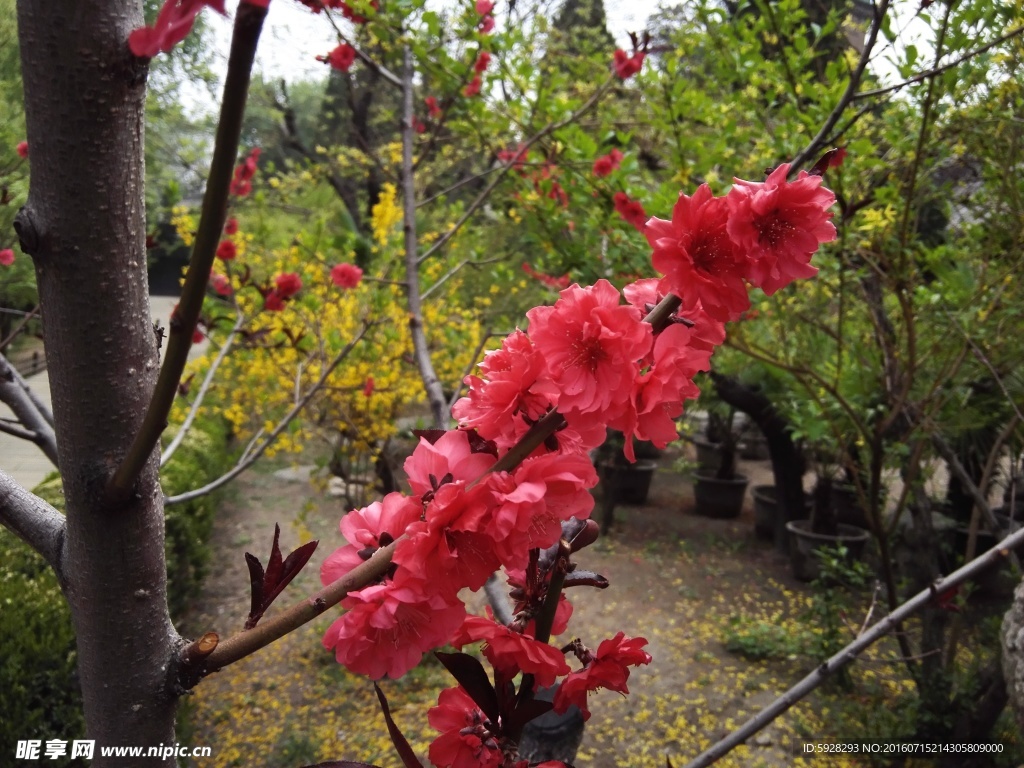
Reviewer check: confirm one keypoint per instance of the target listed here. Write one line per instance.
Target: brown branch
(486, 192)
(248, 25)
(14, 392)
(939, 69)
(250, 456)
(851, 87)
(854, 649)
(33, 520)
(263, 634)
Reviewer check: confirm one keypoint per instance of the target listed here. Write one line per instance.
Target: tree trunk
(787, 462)
(84, 226)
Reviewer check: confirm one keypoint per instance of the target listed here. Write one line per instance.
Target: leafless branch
(849, 653)
(250, 456)
(33, 520)
(940, 69)
(496, 179)
(817, 142)
(201, 393)
(28, 410)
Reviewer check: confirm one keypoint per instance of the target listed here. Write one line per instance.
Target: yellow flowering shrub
(280, 355)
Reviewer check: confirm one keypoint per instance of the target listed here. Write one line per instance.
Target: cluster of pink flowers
(241, 182)
(626, 65)
(605, 164)
(341, 57)
(6, 257)
(761, 234)
(286, 285)
(587, 363)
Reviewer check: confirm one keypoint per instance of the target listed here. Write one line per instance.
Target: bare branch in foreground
(34, 417)
(858, 646)
(33, 520)
(252, 454)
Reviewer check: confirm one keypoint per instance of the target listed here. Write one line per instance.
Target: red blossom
(197, 336)
(630, 210)
(590, 344)
(486, 25)
(511, 652)
(549, 280)
(432, 108)
(220, 284)
(484, 7)
(388, 627)
(625, 65)
(348, 13)
(607, 163)
(227, 250)
(273, 302)
(483, 60)
(473, 87)
(453, 546)
(419, 126)
(346, 275)
(288, 284)
(231, 226)
(701, 263)
(781, 224)
(367, 529)
(608, 668)
(502, 405)
(172, 25)
(340, 58)
(22, 149)
(241, 183)
(368, 386)
(515, 157)
(465, 740)
(6, 257)
(451, 456)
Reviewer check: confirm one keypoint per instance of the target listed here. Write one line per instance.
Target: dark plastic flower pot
(847, 505)
(803, 542)
(719, 498)
(628, 483)
(766, 510)
(709, 455)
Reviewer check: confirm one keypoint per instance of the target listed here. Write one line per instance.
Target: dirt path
(676, 578)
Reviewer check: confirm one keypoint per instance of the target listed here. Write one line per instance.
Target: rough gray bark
(1013, 652)
(84, 226)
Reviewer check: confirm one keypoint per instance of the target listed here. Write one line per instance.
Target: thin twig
(850, 652)
(939, 69)
(851, 88)
(250, 456)
(201, 393)
(486, 192)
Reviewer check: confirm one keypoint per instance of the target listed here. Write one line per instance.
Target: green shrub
(39, 693)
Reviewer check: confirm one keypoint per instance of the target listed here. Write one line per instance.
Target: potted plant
(823, 529)
(719, 490)
(623, 482)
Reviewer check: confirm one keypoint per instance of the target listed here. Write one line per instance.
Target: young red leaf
(256, 588)
(267, 585)
(409, 759)
(472, 676)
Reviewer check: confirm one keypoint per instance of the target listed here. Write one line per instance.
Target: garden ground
(686, 583)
